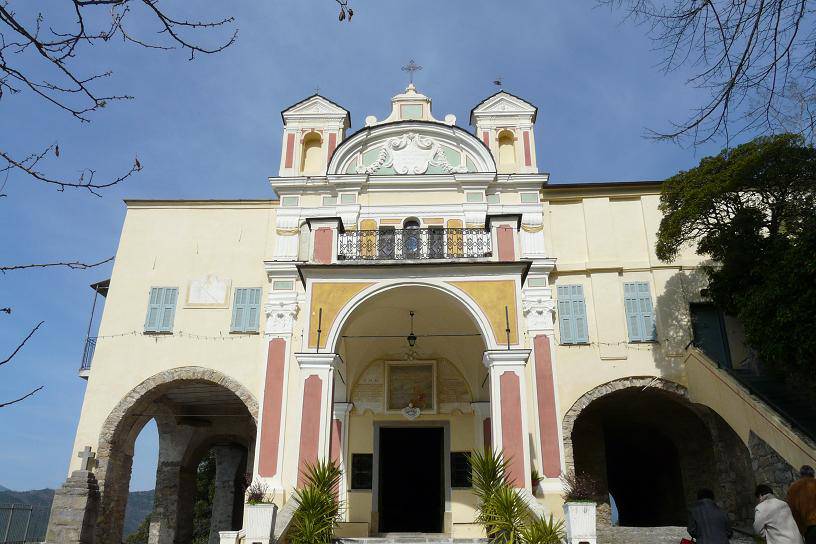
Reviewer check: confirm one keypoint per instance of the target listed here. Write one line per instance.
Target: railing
(88, 353)
(388, 244)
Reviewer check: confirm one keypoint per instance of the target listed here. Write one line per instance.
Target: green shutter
(254, 309)
(579, 314)
(565, 318)
(239, 310)
(246, 310)
(646, 312)
(633, 321)
(153, 309)
(168, 310)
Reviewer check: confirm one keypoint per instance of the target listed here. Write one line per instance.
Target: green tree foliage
(752, 210)
(141, 534)
(205, 492)
(319, 506)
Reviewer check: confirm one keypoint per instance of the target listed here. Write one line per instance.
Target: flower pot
(580, 522)
(259, 522)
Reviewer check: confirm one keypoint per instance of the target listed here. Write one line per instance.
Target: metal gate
(21, 523)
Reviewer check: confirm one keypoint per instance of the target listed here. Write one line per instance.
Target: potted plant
(581, 494)
(259, 513)
(535, 479)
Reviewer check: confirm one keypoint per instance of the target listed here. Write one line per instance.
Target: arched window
(507, 148)
(312, 157)
(411, 238)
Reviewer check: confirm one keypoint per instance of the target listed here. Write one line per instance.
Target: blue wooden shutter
(633, 322)
(646, 312)
(579, 314)
(154, 309)
(168, 309)
(239, 310)
(253, 309)
(565, 318)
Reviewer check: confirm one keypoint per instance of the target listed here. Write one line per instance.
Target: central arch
(196, 410)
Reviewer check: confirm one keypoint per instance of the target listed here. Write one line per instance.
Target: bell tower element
(312, 130)
(504, 123)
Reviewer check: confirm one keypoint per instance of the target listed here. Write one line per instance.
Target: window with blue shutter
(161, 309)
(640, 322)
(572, 314)
(246, 310)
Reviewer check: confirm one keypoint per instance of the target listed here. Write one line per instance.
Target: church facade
(416, 292)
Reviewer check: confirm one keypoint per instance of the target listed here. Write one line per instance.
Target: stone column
(317, 391)
(483, 434)
(173, 442)
(228, 461)
(74, 510)
(508, 409)
(339, 440)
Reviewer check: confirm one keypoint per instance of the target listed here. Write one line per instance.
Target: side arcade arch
(652, 449)
(195, 409)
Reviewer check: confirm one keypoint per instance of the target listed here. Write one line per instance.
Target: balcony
(87, 355)
(434, 243)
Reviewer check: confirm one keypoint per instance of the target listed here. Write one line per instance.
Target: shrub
(256, 493)
(581, 487)
(544, 531)
(318, 505)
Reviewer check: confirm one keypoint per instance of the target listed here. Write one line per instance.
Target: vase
(580, 521)
(259, 522)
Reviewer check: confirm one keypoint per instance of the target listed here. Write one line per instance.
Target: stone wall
(769, 467)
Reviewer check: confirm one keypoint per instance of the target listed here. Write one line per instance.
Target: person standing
(802, 501)
(708, 524)
(773, 520)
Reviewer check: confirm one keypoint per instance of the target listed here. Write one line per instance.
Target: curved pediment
(411, 148)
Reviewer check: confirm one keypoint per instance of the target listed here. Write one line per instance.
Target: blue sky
(211, 129)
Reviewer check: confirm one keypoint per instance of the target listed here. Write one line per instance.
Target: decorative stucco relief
(411, 153)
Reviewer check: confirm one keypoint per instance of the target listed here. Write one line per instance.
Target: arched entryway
(198, 412)
(652, 449)
(415, 410)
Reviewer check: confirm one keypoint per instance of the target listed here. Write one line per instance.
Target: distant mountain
(140, 504)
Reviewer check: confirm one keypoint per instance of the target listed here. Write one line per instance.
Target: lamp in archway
(412, 338)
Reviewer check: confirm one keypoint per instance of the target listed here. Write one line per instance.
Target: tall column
(508, 410)
(339, 442)
(482, 421)
(167, 500)
(281, 312)
(75, 507)
(538, 311)
(317, 392)
(228, 461)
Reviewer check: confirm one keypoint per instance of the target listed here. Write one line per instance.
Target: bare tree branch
(748, 55)
(74, 265)
(15, 401)
(21, 344)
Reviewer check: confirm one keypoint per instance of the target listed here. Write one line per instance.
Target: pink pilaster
(290, 150)
(332, 145)
(528, 161)
(547, 415)
(512, 436)
(309, 425)
(323, 239)
(271, 415)
(506, 242)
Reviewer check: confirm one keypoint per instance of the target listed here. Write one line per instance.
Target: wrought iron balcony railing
(88, 353)
(430, 243)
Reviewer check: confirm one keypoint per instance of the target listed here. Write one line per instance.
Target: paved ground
(651, 535)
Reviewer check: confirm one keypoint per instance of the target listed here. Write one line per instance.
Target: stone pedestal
(74, 510)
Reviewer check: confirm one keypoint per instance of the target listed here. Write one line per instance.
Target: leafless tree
(751, 57)
(40, 54)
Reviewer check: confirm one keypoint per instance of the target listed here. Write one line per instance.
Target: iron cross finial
(411, 67)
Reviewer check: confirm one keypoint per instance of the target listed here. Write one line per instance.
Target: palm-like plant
(319, 507)
(544, 531)
(504, 516)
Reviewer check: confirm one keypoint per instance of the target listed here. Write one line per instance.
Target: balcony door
(411, 240)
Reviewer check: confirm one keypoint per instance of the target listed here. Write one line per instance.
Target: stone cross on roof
(88, 458)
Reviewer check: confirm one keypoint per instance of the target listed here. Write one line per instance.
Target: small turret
(505, 124)
(312, 130)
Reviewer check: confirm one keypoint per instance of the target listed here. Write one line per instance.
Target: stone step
(413, 538)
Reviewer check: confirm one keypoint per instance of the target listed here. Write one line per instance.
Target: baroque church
(414, 292)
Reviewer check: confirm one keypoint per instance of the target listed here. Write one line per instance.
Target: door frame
(446, 474)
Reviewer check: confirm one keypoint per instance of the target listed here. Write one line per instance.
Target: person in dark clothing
(708, 524)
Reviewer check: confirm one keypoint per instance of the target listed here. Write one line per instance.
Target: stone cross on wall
(88, 459)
